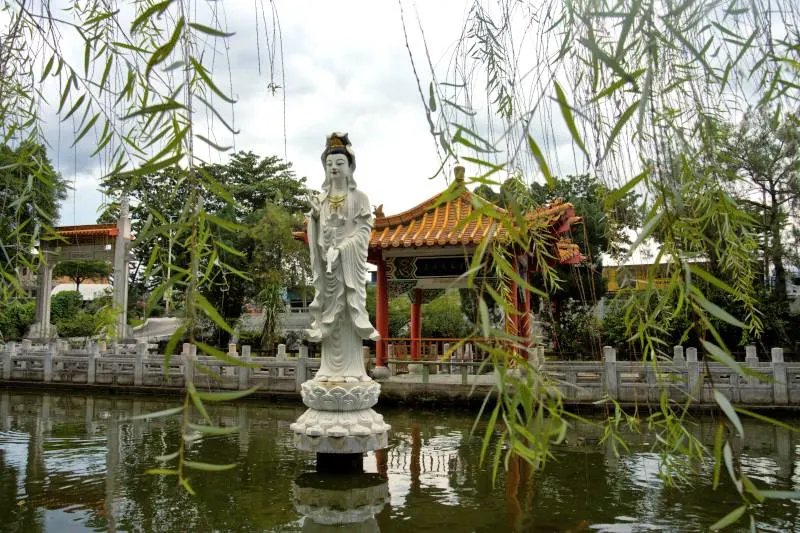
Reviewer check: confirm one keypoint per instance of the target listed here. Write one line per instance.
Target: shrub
(81, 324)
(64, 306)
(15, 318)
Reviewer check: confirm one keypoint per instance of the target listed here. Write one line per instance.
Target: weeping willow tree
(139, 83)
(630, 91)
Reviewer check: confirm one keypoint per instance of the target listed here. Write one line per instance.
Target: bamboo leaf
(729, 518)
(208, 467)
(729, 411)
(431, 98)
(566, 112)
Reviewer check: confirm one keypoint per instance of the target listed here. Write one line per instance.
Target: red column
(526, 312)
(512, 321)
(381, 313)
(416, 323)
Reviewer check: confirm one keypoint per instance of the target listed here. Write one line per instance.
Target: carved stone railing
(625, 381)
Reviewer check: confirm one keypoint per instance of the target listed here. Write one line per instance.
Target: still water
(74, 463)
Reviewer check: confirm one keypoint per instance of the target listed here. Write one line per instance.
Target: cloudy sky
(346, 68)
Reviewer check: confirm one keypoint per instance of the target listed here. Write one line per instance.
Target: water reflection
(74, 463)
(329, 501)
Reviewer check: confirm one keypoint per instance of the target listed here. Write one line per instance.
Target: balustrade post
(300, 371)
(780, 386)
(464, 369)
(693, 373)
(677, 356)
(280, 355)
(188, 363)
(446, 351)
(751, 356)
(138, 364)
(47, 362)
(91, 363)
(610, 367)
(390, 357)
(8, 359)
(243, 372)
(425, 373)
(303, 352)
(27, 347)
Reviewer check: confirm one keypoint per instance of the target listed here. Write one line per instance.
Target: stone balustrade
(774, 381)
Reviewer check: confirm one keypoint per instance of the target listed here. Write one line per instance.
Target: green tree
(79, 271)
(30, 191)
(763, 154)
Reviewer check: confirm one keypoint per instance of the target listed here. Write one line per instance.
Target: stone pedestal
(340, 418)
(330, 502)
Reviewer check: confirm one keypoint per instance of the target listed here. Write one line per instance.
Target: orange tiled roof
(437, 223)
(87, 230)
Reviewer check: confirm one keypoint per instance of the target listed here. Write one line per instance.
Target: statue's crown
(337, 140)
(339, 143)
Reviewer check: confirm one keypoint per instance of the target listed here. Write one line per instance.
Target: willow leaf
(162, 471)
(209, 30)
(212, 313)
(227, 396)
(213, 430)
(566, 112)
(158, 414)
(540, 160)
(208, 467)
(729, 411)
(729, 518)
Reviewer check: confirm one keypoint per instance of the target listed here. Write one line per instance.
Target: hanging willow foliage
(132, 88)
(631, 91)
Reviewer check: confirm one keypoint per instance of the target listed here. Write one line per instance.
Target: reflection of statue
(339, 226)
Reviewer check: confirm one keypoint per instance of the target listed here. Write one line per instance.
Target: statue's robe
(338, 312)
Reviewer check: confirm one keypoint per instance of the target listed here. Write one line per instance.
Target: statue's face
(337, 167)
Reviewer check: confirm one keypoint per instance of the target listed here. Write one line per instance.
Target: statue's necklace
(336, 202)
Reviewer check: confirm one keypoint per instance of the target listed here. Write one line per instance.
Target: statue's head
(338, 156)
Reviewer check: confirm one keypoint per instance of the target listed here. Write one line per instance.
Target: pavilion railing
(446, 350)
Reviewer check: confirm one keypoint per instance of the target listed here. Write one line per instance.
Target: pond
(72, 463)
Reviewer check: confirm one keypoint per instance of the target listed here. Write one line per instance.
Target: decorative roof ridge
(427, 205)
(82, 227)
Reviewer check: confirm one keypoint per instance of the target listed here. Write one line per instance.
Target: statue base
(340, 431)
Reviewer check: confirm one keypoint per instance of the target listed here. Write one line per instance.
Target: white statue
(339, 226)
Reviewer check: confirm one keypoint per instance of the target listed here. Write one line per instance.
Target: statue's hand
(331, 257)
(314, 203)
